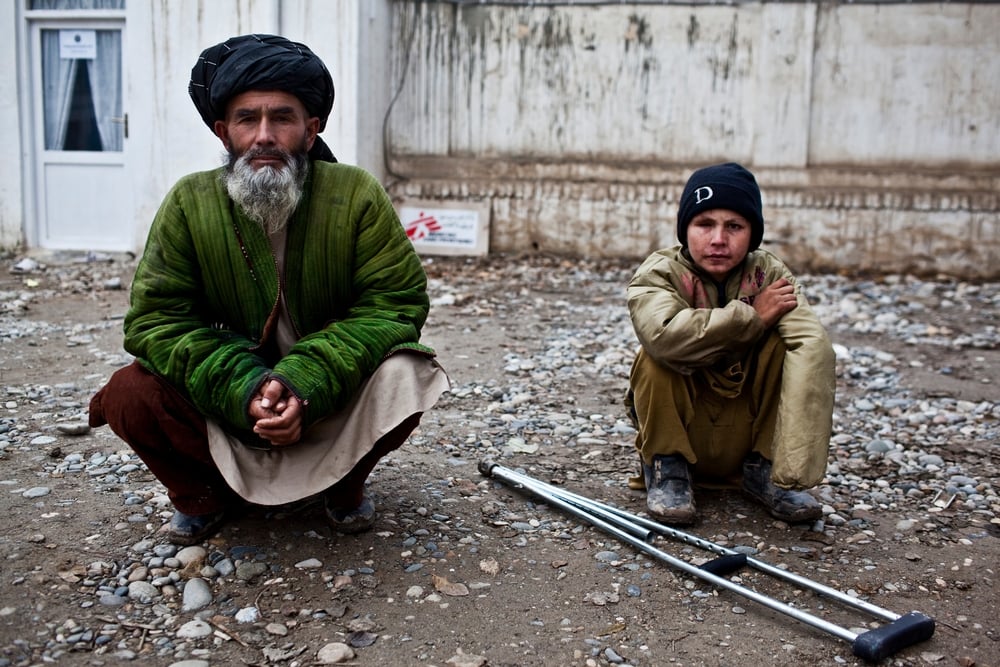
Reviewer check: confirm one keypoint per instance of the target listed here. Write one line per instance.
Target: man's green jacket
(204, 301)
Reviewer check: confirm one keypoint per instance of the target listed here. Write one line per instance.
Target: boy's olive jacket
(683, 323)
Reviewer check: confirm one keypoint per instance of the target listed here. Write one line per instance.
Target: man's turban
(261, 62)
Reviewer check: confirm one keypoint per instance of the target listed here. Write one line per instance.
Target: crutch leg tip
(876, 645)
(486, 466)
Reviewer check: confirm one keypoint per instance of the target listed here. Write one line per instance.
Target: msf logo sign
(422, 227)
(704, 193)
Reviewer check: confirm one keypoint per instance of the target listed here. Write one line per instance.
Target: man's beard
(268, 195)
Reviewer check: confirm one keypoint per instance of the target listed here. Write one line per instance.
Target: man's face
(718, 240)
(273, 123)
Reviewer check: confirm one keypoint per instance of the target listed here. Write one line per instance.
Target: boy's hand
(774, 301)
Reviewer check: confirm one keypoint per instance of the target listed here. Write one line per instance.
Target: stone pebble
(520, 414)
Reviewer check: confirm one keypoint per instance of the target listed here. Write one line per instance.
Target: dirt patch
(462, 570)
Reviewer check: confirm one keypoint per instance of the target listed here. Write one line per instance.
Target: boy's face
(718, 240)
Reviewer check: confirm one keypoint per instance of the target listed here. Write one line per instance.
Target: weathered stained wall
(871, 127)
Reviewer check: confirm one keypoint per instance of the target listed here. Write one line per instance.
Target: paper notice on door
(78, 44)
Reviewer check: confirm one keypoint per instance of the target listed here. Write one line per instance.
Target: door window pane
(82, 90)
(76, 4)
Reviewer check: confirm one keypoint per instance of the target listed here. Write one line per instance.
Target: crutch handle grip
(724, 565)
(886, 640)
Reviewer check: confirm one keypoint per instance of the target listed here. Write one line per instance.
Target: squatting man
(735, 376)
(275, 315)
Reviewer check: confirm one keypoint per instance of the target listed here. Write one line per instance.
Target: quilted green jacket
(204, 300)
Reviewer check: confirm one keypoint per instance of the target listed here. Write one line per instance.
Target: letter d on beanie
(728, 186)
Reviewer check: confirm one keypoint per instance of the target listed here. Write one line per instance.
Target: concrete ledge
(820, 219)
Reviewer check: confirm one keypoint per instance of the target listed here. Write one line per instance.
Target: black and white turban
(262, 62)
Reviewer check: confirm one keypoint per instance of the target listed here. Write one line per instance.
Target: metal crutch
(872, 645)
(734, 561)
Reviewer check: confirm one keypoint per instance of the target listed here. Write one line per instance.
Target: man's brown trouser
(169, 435)
(714, 419)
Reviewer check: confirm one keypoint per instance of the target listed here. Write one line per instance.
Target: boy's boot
(790, 506)
(669, 495)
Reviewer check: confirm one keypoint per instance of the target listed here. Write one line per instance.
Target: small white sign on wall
(78, 44)
(447, 228)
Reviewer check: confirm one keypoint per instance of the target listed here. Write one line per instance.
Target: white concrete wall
(872, 127)
(11, 182)
(782, 84)
(352, 38)
(916, 84)
(173, 141)
(167, 138)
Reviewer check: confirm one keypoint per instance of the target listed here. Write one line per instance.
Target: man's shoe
(669, 496)
(790, 506)
(352, 521)
(187, 529)
(295, 507)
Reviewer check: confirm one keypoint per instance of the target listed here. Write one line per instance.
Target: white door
(82, 197)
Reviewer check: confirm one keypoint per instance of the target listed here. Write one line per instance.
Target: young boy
(735, 375)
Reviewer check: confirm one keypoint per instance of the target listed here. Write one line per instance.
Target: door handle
(124, 123)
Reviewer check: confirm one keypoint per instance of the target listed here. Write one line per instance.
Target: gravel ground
(465, 571)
